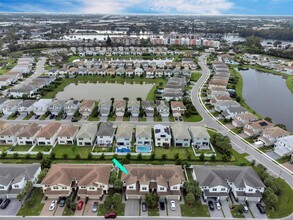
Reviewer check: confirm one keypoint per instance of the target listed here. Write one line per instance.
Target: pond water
(268, 95)
(104, 91)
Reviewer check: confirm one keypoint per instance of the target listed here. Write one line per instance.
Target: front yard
(32, 206)
(119, 209)
(196, 210)
(153, 212)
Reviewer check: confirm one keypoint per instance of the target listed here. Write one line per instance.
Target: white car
(218, 205)
(53, 205)
(173, 206)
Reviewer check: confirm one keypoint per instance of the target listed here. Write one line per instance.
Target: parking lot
(132, 207)
(12, 208)
(177, 212)
(80, 212)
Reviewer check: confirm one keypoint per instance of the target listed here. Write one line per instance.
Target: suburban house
(134, 108)
(90, 181)
(26, 107)
(124, 137)
(86, 135)
(166, 181)
(86, 107)
(219, 181)
(148, 107)
(71, 106)
(178, 108)
(42, 106)
(13, 178)
(143, 137)
(105, 107)
(27, 135)
(56, 107)
(162, 136)
(67, 134)
(254, 129)
(163, 108)
(181, 136)
(48, 134)
(224, 105)
(231, 112)
(241, 120)
(8, 135)
(2, 101)
(270, 135)
(105, 135)
(284, 146)
(200, 137)
(11, 106)
(138, 71)
(119, 107)
(217, 91)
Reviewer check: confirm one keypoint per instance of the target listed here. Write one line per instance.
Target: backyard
(72, 151)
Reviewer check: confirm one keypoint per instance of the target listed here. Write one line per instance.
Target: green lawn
(44, 116)
(94, 116)
(284, 207)
(182, 151)
(21, 148)
(12, 116)
(196, 210)
(289, 83)
(5, 147)
(151, 94)
(142, 119)
(237, 212)
(41, 148)
(33, 205)
(154, 212)
(119, 210)
(193, 118)
(72, 151)
(67, 212)
(195, 76)
(28, 116)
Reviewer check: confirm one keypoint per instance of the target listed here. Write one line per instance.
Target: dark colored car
(5, 203)
(62, 201)
(64, 116)
(211, 205)
(52, 116)
(74, 120)
(162, 205)
(261, 209)
(95, 207)
(110, 215)
(144, 206)
(1, 200)
(37, 117)
(80, 205)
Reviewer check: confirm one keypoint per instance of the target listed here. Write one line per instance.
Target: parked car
(64, 116)
(162, 205)
(110, 215)
(74, 120)
(53, 205)
(37, 116)
(1, 200)
(244, 208)
(173, 205)
(62, 201)
(261, 209)
(211, 205)
(52, 116)
(218, 205)
(95, 207)
(80, 205)
(144, 206)
(5, 203)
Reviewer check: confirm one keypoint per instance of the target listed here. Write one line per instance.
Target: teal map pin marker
(120, 166)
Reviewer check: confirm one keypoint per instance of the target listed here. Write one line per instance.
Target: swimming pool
(123, 150)
(143, 149)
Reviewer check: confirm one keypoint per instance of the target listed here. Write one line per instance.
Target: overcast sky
(211, 7)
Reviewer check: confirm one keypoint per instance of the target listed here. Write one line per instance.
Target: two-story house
(200, 137)
(86, 135)
(119, 107)
(42, 106)
(240, 120)
(163, 108)
(71, 106)
(56, 106)
(48, 134)
(143, 136)
(254, 129)
(105, 135)
(124, 137)
(148, 107)
(26, 107)
(162, 136)
(181, 136)
(11, 106)
(8, 135)
(105, 107)
(231, 112)
(178, 108)
(86, 107)
(27, 135)
(284, 146)
(270, 135)
(134, 108)
(67, 134)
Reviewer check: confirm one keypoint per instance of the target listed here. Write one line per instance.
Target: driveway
(45, 211)
(12, 208)
(165, 119)
(273, 155)
(103, 118)
(132, 207)
(133, 118)
(79, 212)
(141, 212)
(149, 119)
(21, 117)
(163, 212)
(216, 213)
(177, 212)
(255, 212)
(59, 211)
(88, 208)
(226, 209)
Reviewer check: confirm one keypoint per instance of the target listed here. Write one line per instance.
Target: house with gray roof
(2, 101)
(163, 108)
(181, 136)
(105, 107)
(41, 107)
(231, 112)
(56, 107)
(11, 106)
(124, 137)
(86, 136)
(134, 108)
(26, 107)
(148, 107)
(284, 146)
(71, 106)
(143, 136)
(200, 137)
(105, 135)
(219, 181)
(13, 178)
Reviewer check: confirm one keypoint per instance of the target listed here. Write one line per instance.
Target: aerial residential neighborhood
(146, 110)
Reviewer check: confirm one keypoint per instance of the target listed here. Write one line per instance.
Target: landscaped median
(32, 206)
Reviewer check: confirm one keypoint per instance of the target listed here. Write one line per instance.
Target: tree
(65, 156)
(164, 156)
(192, 186)
(213, 157)
(52, 155)
(46, 163)
(152, 200)
(42, 174)
(102, 157)
(118, 185)
(108, 41)
(270, 199)
(116, 199)
(128, 156)
(268, 119)
(202, 157)
(113, 177)
(190, 199)
(139, 156)
(89, 156)
(176, 156)
(39, 155)
(153, 156)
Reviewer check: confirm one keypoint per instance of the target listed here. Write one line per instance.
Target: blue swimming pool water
(123, 150)
(143, 149)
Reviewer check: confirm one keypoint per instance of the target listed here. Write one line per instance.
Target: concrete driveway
(216, 213)
(132, 207)
(177, 212)
(141, 212)
(88, 208)
(12, 208)
(133, 118)
(255, 212)
(163, 212)
(59, 211)
(103, 118)
(45, 211)
(165, 119)
(79, 212)
(149, 119)
(226, 209)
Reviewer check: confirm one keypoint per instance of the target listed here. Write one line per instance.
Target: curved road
(210, 121)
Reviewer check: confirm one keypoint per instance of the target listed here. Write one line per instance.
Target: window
(1, 187)
(175, 187)
(130, 187)
(64, 187)
(144, 188)
(214, 189)
(92, 188)
(162, 188)
(250, 190)
(16, 186)
(223, 189)
(55, 187)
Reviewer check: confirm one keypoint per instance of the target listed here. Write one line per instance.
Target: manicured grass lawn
(237, 212)
(94, 116)
(142, 119)
(21, 148)
(119, 210)
(151, 94)
(171, 118)
(195, 76)
(12, 117)
(153, 212)
(67, 212)
(284, 207)
(72, 151)
(196, 210)
(193, 118)
(237, 130)
(126, 118)
(27, 117)
(4, 147)
(33, 205)
(41, 148)
(289, 83)
(44, 116)
(182, 151)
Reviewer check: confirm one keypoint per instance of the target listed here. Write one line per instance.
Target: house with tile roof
(254, 129)
(124, 137)
(28, 135)
(241, 120)
(67, 134)
(270, 135)
(181, 136)
(48, 134)
(8, 135)
(143, 138)
(86, 107)
(86, 135)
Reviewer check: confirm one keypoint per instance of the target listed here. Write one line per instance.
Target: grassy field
(289, 83)
(33, 205)
(72, 151)
(196, 210)
(195, 76)
(41, 148)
